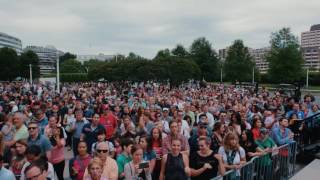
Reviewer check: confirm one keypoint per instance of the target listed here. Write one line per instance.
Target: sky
(146, 26)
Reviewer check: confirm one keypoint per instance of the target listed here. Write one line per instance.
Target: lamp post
(30, 68)
(58, 74)
(252, 75)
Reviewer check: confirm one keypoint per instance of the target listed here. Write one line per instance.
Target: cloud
(146, 26)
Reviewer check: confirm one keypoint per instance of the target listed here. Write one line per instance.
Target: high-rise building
(223, 53)
(99, 57)
(310, 46)
(259, 56)
(10, 42)
(47, 57)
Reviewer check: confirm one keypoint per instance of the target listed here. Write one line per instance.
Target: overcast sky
(146, 26)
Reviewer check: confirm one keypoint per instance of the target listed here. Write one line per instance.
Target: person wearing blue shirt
(35, 138)
(282, 134)
(5, 173)
(296, 110)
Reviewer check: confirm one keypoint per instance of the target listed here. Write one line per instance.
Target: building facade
(47, 58)
(310, 46)
(10, 42)
(259, 56)
(99, 57)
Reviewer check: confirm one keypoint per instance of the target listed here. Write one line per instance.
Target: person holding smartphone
(137, 169)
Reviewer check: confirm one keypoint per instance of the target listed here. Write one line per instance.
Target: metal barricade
(278, 165)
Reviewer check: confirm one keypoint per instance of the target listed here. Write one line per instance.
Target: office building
(310, 46)
(10, 42)
(47, 58)
(259, 56)
(99, 57)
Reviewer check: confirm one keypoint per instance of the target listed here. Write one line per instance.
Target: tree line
(200, 62)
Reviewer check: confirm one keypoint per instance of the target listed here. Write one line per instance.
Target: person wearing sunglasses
(110, 168)
(35, 138)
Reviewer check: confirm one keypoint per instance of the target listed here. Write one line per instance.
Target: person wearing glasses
(37, 171)
(110, 168)
(35, 138)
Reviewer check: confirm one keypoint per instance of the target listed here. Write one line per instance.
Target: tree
(9, 64)
(26, 59)
(239, 63)
(202, 53)
(163, 54)
(285, 58)
(179, 51)
(67, 56)
(72, 66)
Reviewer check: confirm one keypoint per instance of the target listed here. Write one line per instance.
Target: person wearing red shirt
(109, 121)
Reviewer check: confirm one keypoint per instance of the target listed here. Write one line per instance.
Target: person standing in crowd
(175, 165)
(68, 121)
(174, 134)
(217, 136)
(36, 138)
(57, 139)
(148, 154)
(232, 153)
(156, 143)
(282, 134)
(19, 158)
(77, 130)
(101, 137)
(205, 164)
(42, 120)
(205, 110)
(137, 169)
(257, 124)
(20, 129)
(201, 130)
(110, 168)
(4, 172)
(109, 121)
(124, 157)
(78, 164)
(248, 144)
(95, 168)
(90, 131)
(37, 170)
(34, 154)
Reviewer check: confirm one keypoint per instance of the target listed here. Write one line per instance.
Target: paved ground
(68, 155)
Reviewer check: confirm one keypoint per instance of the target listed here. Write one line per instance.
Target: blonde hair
(226, 141)
(95, 161)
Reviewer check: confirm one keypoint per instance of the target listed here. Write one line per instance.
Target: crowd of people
(141, 131)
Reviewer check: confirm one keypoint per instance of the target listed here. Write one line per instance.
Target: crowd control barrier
(278, 165)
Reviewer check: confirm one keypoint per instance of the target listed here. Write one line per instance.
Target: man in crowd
(38, 139)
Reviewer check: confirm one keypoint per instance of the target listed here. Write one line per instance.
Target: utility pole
(221, 75)
(30, 68)
(58, 74)
(307, 80)
(252, 75)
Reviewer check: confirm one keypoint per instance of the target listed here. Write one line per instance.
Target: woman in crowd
(217, 136)
(233, 154)
(148, 154)
(248, 144)
(137, 169)
(80, 162)
(236, 122)
(95, 168)
(175, 165)
(57, 152)
(257, 124)
(156, 144)
(19, 158)
(205, 164)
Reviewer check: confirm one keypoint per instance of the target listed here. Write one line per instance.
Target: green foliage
(179, 51)
(9, 64)
(67, 56)
(285, 58)
(27, 58)
(72, 66)
(239, 63)
(73, 77)
(202, 53)
(163, 54)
